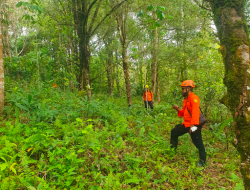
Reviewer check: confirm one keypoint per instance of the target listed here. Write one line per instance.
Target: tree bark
(80, 12)
(126, 74)
(110, 69)
(158, 87)
(232, 31)
(121, 19)
(5, 29)
(37, 65)
(117, 76)
(140, 64)
(154, 65)
(1, 75)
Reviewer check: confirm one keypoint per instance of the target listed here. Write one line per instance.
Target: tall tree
(1, 74)
(109, 61)
(232, 29)
(154, 52)
(86, 26)
(121, 18)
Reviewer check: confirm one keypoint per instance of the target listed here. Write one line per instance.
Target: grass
(54, 140)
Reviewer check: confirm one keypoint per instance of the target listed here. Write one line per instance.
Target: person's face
(184, 91)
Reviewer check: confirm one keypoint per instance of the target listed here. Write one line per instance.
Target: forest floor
(53, 140)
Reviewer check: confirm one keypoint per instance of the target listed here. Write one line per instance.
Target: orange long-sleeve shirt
(149, 96)
(193, 104)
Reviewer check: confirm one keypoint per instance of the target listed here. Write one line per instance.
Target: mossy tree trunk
(233, 34)
(1, 75)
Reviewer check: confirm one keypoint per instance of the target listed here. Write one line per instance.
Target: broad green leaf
(140, 14)
(224, 124)
(3, 159)
(13, 169)
(136, 159)
(68, 182)
(97, 175)
(36, 8)
(134, 180)
(31, 188)
(161, 8)
(29, 98)
(79, 120)
(80, 150)
(150, 8)
(160, 14)
(157, 24)
(19, 4)
(142, 130)
(25, 3)
(71, 170)
(3, 166)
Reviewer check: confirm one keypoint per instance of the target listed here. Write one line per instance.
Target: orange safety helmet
(188, 83)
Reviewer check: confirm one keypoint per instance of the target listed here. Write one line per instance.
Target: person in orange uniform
(148, 98)
(191, 113)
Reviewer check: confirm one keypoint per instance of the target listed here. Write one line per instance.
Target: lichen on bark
(233, 34)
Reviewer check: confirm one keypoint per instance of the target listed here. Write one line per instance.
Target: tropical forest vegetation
(72, 77)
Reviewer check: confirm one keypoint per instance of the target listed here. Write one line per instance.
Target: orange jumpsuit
(149, 96)
(192, 102)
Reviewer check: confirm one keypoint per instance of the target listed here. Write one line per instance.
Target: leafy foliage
(54, 137)
(59, 140)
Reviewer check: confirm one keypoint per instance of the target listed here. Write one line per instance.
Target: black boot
(201, 163)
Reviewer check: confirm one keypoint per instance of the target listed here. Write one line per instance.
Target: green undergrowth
(56, 140)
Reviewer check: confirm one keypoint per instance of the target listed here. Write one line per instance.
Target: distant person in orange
(148, 98)
(54, 85)
(191, 113)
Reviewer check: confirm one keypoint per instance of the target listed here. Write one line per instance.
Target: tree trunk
(232, 30)
(140, 63)
(109, 72)
(158, 88)
(37, 65)
(154, 65)
(80, 18)
(121, 18)
(5, 30)
(85, 62)
(126, 74)
(117, 77)
(86, 26)
(1, 75)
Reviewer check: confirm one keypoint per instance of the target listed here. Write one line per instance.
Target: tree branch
(94, 17)
(119, 26)
(91, 5)
(202, 6)
(91, 80)
(107, 15)
(134, 36)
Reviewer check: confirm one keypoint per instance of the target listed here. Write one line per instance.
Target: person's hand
(176, 107)
(190, 130)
